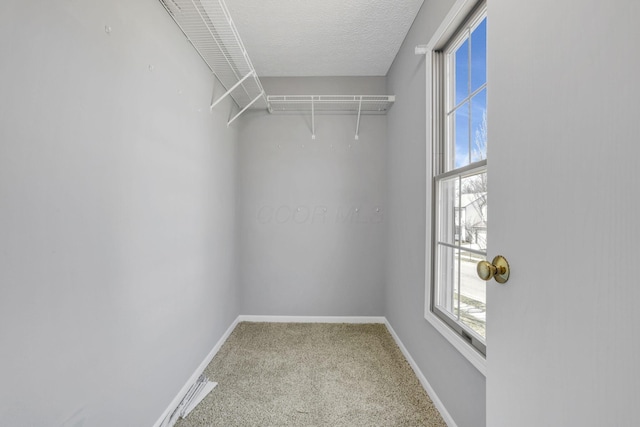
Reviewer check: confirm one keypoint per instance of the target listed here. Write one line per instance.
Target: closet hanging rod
(330, 104)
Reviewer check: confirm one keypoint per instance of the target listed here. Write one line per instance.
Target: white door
(564, 185)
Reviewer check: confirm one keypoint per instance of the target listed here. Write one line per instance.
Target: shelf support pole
(358, 122)
(245, 108)
(224, 95)
(313, 119)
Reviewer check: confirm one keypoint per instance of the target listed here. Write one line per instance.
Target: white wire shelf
(207, 24)
(330, 104)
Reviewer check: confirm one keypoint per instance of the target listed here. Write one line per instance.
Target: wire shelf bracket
(358, 121)
(208, 26)
(313, 119)
(234, 87)
(330, 104)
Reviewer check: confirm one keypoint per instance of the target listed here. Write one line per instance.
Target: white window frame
(458, 14)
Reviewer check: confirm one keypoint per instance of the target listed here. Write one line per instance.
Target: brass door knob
(498, 269)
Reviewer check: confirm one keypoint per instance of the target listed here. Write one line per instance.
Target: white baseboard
(176, 401)
(423, 380)
(312, 319)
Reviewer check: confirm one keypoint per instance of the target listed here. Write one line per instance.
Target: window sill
(475, 358)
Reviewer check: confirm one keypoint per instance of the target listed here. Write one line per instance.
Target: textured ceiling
(322, 37)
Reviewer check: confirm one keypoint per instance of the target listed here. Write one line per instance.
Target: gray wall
(458, 384)
(117, 202)
(304, 250)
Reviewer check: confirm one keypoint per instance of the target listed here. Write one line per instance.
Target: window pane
(479, 55)
(446, 290)
(461, 135)
(448, 210)
(456, 294)
(473, 211)
(461, 70)
(479, 126)
(473, 294)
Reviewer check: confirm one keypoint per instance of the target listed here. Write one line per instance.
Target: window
(458, 195)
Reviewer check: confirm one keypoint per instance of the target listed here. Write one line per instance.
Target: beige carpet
(310, 374)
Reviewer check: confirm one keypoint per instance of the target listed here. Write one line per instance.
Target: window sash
(444, 105)
(446, 221)
(445, 78)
